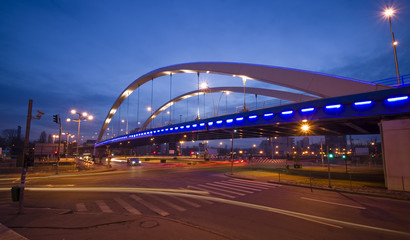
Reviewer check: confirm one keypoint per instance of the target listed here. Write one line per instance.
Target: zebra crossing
(164, 205)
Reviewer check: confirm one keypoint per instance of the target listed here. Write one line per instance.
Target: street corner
(6, 233)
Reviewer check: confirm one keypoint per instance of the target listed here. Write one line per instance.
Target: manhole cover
(149, 224)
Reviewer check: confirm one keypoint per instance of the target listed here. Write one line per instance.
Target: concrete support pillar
(396, 153)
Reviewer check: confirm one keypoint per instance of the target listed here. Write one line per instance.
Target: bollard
(15, 193)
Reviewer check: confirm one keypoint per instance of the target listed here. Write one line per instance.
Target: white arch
(318, 84)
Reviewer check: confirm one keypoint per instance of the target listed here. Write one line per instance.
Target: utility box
(15, 193)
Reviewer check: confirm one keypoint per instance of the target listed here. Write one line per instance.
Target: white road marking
(339, 204)
(201, 200)
(245, 186)
(185, 201)
(220, 189)
(81, 207)
(177, 207)
(253, 183)
(272, 185)
(213, 192)
(150, 205)
(239, 187)
(127, 207)
(104, 207)
(218, 184)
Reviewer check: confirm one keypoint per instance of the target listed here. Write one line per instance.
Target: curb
(62, 174)
(6, 233)
(404, 198)
(238, 177)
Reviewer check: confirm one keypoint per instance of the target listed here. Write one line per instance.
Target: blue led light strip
(307, 109)
(395, 99)
(363, 103)
(333, 106)
(287, 112)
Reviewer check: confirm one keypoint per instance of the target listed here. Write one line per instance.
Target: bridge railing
(404, 81)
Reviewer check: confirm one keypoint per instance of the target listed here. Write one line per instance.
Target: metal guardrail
(404, 81)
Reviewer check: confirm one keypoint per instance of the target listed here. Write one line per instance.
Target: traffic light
(331, 154)
(343, 156)
(55, 118)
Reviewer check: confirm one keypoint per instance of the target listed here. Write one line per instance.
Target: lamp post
(388, 13)
(54, 137)
(204, 87)
(219, 148)
(81, 116)
(244, 104)
(149, 109)
(68, 141)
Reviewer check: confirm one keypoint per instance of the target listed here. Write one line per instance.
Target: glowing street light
(389, 12)
(204, 85)
(305, 127)
(81, 116)
(244, 104)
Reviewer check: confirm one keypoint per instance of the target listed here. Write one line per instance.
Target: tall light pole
(388, 13)
(81, 116)
(197, 115)
(204, 86)
(149, 109)
(244, 104)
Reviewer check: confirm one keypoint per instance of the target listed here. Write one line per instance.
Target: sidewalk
(15, 172)
(311, 180)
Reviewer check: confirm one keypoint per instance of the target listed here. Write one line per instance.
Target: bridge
(329, 105)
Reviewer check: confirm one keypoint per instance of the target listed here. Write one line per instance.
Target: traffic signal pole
(59, 144)
(25, 155)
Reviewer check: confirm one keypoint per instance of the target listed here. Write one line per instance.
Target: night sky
(82, 54)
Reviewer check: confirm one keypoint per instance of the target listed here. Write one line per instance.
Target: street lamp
(219, 148)
(181, 142)
(203, 87)
(226, 101)
(81, 116)
(305, 128)
(149, 109)
(68, 140)
(54, 137)
(388, 13)
(244, 104)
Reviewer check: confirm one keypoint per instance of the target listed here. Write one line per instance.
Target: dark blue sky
(82, 54)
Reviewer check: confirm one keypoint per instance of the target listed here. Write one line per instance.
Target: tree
(9, 134)
(43, 137)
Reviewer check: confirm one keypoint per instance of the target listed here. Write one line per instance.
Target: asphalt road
(197, 202)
